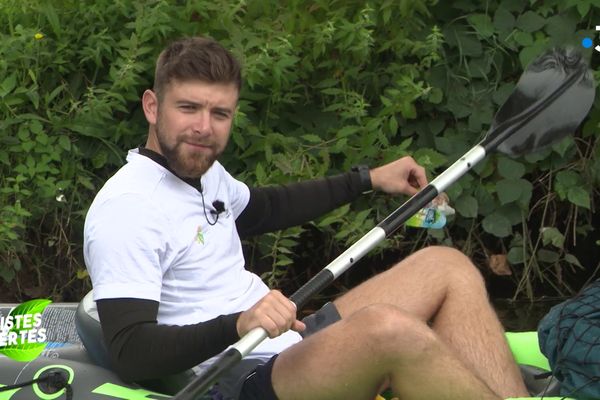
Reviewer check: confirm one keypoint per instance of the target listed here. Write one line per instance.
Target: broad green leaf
(435, 96)
(8, 84)
(524, 38)
(42, 138)
(530, 21)
(466, 43)
(312, 138)
(86, 182)
(547, 256)
(429, 158)
(482, 24)
(436, 126)
(571, 259)
(564, 181)
(551, 235)
(515, 255)
(283, 260)
(485, 168)
(579, 196)
(510, 169)
(466, 206)
(455, 191)
(53, 18)
(348, 130)
(8, 274)
(513, 214)
(34, 97)
(393, 124)
(36, 127)
(334, 217)
(514, 5)
(583, 7)
(497, 224)
(479, 67)
(260, 173)
(561, 27)
(340, 146)
(504, 21)
(99, 159)
(563, 146)
(509, 190)
(485, 199)
(459, 109)
(64, 142)
(23, 134)
(526, 194)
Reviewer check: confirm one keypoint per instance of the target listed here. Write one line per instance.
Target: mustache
(195, 142)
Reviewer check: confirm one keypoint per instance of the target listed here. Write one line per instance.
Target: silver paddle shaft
(365, 244)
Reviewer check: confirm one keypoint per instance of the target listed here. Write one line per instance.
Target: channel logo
(588, 43)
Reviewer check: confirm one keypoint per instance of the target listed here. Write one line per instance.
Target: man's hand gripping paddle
(549, 102)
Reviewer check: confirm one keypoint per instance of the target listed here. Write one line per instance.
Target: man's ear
(150, 106)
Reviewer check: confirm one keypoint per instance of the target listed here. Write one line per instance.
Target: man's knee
(448, 262)
(391, 330)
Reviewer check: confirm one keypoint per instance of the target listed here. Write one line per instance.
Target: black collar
(162, 161)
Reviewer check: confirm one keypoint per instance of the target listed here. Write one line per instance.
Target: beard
(185, 163)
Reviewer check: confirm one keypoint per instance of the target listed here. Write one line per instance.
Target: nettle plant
(428, 87)
(69, 75)
(328, 84)
(534, 210)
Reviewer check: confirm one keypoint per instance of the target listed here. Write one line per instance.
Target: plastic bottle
(428, 217)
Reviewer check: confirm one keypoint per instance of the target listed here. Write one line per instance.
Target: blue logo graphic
(588, 43)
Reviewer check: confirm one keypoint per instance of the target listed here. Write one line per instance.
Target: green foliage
(328, 84)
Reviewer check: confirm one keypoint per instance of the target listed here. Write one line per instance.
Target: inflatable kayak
(65, 369)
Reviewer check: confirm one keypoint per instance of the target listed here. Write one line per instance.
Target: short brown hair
(196, 58)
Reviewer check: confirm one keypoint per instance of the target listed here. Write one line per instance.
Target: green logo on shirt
(199, 235)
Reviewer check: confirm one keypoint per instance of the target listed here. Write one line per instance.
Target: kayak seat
(88, 328)
(539, 382)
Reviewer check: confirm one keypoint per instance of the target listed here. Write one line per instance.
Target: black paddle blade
(552, 97)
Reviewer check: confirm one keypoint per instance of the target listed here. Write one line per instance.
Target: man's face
(190, 125)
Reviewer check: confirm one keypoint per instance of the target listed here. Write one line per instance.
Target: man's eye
(187, 107)
(221, 114)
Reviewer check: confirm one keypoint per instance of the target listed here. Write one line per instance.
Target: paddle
(550, 100)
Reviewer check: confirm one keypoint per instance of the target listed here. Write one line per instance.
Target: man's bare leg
(441, 287)
(377, 345)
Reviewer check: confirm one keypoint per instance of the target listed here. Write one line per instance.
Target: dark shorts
(258, 385)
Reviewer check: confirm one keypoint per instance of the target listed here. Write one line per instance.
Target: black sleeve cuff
(364, 177)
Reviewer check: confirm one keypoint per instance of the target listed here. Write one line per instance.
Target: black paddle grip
(318, 282)
(396, 219)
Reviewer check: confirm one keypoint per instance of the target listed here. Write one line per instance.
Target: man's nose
(202, 123)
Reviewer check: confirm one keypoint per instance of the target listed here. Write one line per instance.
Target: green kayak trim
(526, 350)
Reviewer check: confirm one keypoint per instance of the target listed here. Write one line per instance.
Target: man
(162, 245)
